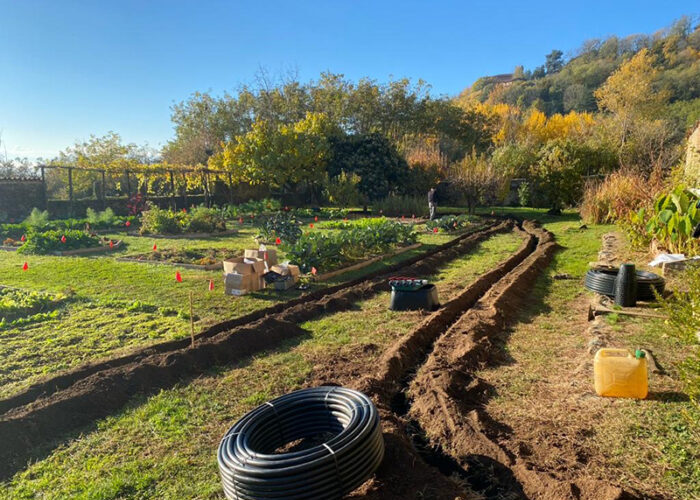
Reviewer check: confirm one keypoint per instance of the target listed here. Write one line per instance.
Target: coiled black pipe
(251, 470)
(602, 281)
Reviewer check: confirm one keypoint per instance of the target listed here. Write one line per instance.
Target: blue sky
(72, 68)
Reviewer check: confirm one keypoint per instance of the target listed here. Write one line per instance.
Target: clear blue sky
(72, 68)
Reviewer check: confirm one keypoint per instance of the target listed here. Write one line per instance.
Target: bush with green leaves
(450, 223)
(37, 219)
(281, 225)
(101, 220)
(50, 241)
(524, 194)
(343, 190)
(329, 250)
(673, 220)
(157, 220)
(206, 220)
(321, 213)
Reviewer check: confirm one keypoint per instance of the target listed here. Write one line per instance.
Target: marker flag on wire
(25, 266)
(311, 225)
(211, 285)
(178, 277)
(278, 241)
(316, 218)
(128, 223)
(435, 230)
(314, 271)
(63, 238)
(111, 244)
(155, 247)
(23, 238)
(240, 220)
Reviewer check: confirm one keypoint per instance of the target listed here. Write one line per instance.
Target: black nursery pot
(425, 297)
(626, 286)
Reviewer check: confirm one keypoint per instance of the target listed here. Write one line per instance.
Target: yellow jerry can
(619, 374)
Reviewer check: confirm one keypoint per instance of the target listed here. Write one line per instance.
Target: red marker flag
(435, 230)
(211, 285)
(402, 217)
(128, 223)
(455, 224)
(25, 267)
(63, 238)
(278, 241)
(23, 238)
(184, 210)
(316, 218)
(240, 220)
(155, 247)
(178, 277)
(313, 271)
(311, 225)
(111, 244)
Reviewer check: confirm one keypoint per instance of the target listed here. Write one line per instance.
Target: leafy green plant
(450, 223)
(343, 190)
(280, 225)
(205, 220)
(156, 220)
(325, 251)
(37, 219)
(253, 207)
(673, 220)
(50, 241)
(101, 220)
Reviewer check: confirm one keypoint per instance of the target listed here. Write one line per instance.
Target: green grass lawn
(165, 446)
(113, 306)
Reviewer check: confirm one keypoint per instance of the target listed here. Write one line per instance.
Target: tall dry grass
(619, 194)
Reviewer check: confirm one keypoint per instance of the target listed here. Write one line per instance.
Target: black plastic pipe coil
(250, 468)
(602, 281)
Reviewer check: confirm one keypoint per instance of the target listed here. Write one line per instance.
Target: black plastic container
(425, 297)
(626, 286)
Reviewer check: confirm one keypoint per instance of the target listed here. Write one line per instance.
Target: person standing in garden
(432, 205)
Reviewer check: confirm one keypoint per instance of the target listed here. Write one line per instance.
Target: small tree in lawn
(557, 174)
(478, 180)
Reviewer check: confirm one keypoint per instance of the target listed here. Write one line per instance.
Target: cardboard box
(257, 254)
(287, 270)
(241, 265)
(240, 284)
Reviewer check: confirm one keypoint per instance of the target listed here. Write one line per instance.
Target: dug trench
(42, 419)
(432, 405)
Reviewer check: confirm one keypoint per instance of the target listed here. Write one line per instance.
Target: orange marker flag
(211, 285)
(311, 225)
(63, 238)
(25, 267)
(178, 277)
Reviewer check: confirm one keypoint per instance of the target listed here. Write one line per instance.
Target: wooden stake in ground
(191, 319)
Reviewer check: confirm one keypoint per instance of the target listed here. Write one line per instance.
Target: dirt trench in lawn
(440, 441)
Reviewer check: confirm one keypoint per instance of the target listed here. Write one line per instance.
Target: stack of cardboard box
(245, 274)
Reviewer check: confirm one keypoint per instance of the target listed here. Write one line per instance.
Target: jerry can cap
(639, 354)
